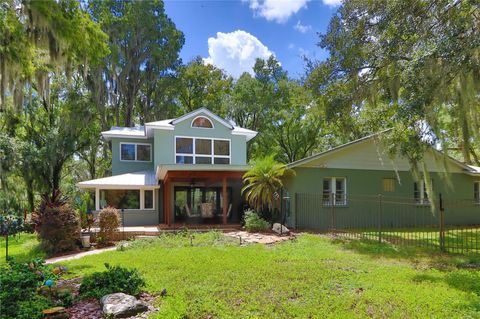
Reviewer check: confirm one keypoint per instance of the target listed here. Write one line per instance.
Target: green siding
(164, 147)
(165, 141)
(122, 167)
(363, 188)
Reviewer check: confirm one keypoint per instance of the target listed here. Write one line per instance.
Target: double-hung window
(135, 152)
(476, 192)
(420, 194)
(334, 191)
(198, 150)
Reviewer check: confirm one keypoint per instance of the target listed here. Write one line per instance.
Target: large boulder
(280, 229)
(120, 305)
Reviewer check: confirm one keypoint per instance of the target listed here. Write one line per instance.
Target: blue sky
(231, 34)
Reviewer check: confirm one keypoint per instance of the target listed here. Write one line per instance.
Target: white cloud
(236, 52)
(332, 3)
(302, 28)
(277, 10)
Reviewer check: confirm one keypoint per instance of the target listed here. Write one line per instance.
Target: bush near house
(57, 224)
(108, 221)
(253, 222)
(114, 279)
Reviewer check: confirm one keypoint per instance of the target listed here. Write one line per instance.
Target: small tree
(9, 225)
(56, 223)
(264, 181)
(108, 221)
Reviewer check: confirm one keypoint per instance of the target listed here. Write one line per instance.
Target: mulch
(90, 308)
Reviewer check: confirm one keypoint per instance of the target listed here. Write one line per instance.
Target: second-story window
(202, 122)
(197, 150)
(135, 152)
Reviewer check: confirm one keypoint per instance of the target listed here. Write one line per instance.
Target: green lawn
(22, 247)
(312, 277)
(457, 240)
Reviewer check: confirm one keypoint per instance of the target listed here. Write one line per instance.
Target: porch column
(225, 201)
(166, 202)
(97, 199)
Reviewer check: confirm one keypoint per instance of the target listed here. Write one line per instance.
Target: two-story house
(186, 170)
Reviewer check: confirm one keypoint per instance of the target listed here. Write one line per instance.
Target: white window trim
(136, 144)
(205, 128)
(142, 198)
(333, 190)
(194, 155)
(423, 201)
(477, 201)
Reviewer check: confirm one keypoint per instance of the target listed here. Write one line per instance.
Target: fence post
(332, 217)
(442, 224)
(380, 218)
(296, 211)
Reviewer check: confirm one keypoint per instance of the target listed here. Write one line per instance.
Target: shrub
(18, 289)
(114, 279)
(253, 222)
(108, 221)
(57, 224)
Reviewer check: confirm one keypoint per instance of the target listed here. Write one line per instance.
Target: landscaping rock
(120, 305)
(280, 229)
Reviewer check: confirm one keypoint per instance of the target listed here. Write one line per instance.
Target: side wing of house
(350, 180)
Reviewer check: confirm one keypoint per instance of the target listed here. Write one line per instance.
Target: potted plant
(87, 223)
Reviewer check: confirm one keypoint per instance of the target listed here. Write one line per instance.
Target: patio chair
(189, 212)
(207, 210)
(229, 211)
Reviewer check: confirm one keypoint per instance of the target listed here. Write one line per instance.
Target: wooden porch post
(166, 202)
(225, 200)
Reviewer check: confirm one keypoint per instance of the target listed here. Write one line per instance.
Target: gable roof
(205, 111)
(146, 130)
(466, 168)
(332, 150)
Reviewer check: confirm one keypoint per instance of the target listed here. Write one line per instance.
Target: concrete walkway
(78, 255)
(134, 229)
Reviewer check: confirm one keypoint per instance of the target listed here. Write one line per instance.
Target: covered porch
(202, 197)
(135, 194)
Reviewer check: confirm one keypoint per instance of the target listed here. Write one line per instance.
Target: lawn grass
(22, 247)
(457, 240)
(311, 277)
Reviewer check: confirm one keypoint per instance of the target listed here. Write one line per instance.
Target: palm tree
(264, 180)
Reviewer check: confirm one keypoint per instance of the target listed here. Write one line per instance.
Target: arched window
(202, 122)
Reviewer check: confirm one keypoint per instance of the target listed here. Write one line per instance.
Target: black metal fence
(450, 225)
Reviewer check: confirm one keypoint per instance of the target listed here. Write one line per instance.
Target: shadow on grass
(430, 256)
(77, 270)
(463, 280)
